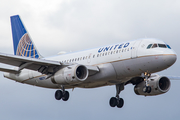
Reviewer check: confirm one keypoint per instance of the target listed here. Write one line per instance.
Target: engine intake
(158, 84)
(81, 72)
(74, 74)
(164, 84)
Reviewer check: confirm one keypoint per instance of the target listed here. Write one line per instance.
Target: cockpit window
(154, 46)
(168, 46)
(149, 46)
(162, 45)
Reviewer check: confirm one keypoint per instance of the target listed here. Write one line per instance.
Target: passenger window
(154, 46)
(162, 45)
(149, 46)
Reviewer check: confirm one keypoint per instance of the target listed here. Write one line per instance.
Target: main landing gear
(117, 101)
(62, 94)
(146, 88)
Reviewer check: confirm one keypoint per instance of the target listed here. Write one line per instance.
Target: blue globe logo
(26, 47)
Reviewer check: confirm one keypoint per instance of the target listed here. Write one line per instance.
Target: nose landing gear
(146, 88)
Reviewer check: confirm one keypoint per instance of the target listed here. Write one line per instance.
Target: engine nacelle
(159, 85)
(74, 74)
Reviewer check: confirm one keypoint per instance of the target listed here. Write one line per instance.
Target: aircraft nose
(170, 59)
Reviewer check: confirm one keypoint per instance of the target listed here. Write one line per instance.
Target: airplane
(133, 62)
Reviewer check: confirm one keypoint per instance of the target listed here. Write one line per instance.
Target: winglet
(23, 45)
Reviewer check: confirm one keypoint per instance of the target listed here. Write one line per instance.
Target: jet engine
(74, 74)
(158, 84)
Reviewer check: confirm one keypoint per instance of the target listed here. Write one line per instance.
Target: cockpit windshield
(162, 45)
(149, 46)
(156, 45)
(168, 46)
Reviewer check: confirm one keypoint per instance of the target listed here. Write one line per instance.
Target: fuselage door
(134, 48)
(89, 58)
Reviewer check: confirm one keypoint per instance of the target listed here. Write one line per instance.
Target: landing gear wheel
(147, 89)
(117, 101)
(113, 102)
(58, 94)
(65, 96)
(120, 103)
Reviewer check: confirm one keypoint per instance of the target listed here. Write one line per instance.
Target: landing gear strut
(146, 88)
(117, 101)
(62, 94)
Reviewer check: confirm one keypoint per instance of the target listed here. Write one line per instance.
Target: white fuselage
(117, 63)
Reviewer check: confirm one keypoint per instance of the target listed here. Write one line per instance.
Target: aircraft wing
(41, 65)
(9, 70)
(173, 77)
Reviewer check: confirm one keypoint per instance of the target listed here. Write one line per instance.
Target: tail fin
(23, 45)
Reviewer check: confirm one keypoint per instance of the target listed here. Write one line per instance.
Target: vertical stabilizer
(23, 45)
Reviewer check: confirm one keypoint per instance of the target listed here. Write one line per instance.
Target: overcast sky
(73, 25)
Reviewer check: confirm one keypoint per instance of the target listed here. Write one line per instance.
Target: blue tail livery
(23, 45)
